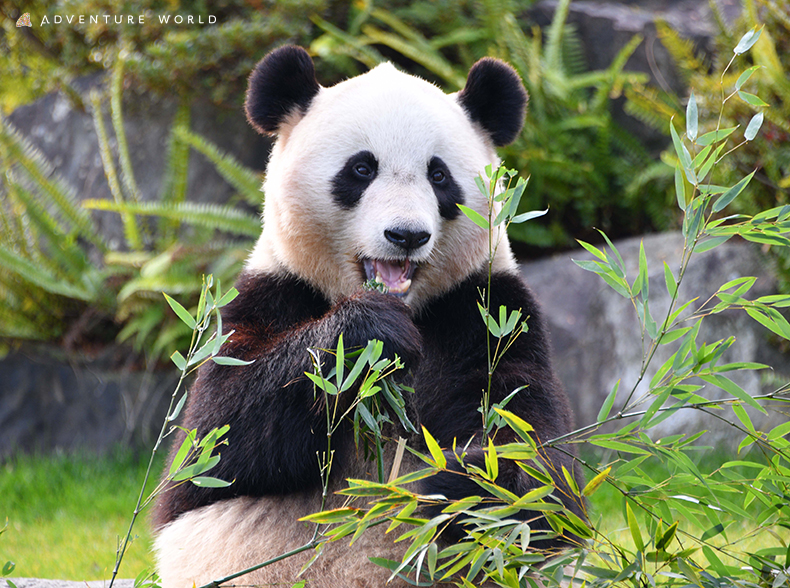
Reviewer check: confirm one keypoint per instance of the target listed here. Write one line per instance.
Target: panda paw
(371, 315)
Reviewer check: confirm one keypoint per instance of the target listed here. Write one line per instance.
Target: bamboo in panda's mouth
(395, 274)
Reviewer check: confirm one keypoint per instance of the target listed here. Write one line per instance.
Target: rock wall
(66, 137)
(596, 333)
(56, 401)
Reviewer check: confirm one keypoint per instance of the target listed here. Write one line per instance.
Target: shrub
(60, 280)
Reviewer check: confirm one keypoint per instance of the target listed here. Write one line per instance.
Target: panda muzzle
(394, 274)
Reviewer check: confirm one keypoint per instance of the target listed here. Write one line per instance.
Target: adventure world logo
(118, 19)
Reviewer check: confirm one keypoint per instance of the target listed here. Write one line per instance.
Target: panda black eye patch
(353, 179)
(448, 193)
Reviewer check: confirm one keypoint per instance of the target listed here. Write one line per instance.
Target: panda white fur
(364, 179)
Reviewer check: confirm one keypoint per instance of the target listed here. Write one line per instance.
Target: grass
(66, 513)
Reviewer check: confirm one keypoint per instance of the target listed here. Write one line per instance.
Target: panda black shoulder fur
(363, 180)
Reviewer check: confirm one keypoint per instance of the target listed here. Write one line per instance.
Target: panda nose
(407, 239)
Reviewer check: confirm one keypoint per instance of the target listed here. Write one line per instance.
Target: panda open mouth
(396, 275)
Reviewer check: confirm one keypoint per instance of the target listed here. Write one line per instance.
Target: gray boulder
(596, 334)
(51, 400)
(66, 136)
(38, 583)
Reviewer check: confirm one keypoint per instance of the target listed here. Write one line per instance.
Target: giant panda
(364, 181)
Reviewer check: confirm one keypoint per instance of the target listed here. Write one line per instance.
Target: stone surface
(39, 583)
(596, 334)
(53, 401)
(66, 137)
(604, 28)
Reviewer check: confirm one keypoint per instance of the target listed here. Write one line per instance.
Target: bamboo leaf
(744, 77)
(680, 187)
(181, 312)
(669, 278)
(520, 218)
(433, 447)
(751, 99)
(230, 361)
(747, 40)
(596, 482)
(179, 360)
(691, 117)
(208, 482)
(680, 149)
(606, 407)
(633, 525)
(474, 216)
(715, 136)
(753, 127)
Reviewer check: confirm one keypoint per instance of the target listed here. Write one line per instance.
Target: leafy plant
(165, 56)
(195, 456)
(50, 280)
(578, 158)
(9, 566)
(763, 83)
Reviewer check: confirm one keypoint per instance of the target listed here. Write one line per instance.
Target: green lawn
(66, 514)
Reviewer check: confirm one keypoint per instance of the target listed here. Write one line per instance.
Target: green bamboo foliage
(763, 71)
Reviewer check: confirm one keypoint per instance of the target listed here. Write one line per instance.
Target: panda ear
(281, 83)
(495, 98)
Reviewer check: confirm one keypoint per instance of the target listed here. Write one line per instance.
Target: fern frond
(246, 180)
(38, 276)
(356, 47)
(653, 107)
(525, 55)
(38, 169)
(174, 180)
(573, 58)
(64, 256)
(143, 322)
(15, 325)
(412, 44)
(779, 13)
(617, 79)
(430, 60)
(457, 37)
(629, 148)
(722, 23)
(651, 173)
(681, 50)
(153, 286)
(212, 216)
(131, 232)
(553, 49)
(174, 186)
(116, 112)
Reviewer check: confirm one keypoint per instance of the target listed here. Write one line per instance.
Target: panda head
(365, 177)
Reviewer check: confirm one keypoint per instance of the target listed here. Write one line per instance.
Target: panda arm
(459, 373)
(277, 422)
